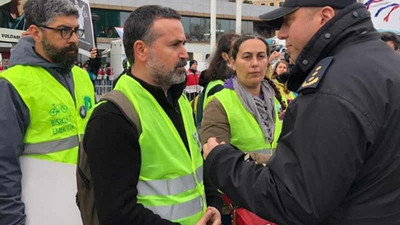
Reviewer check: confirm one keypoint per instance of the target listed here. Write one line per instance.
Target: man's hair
(43, 12)
(390, 36)
(139, 23)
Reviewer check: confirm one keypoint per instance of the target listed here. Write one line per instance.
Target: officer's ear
(326, 14)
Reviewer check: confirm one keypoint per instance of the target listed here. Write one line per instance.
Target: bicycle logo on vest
(62, 119)
(57, 109)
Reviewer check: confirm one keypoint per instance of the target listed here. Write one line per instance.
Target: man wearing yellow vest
(155, 176)
(44, 100)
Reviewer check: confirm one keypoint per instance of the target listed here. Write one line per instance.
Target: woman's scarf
(263, 110)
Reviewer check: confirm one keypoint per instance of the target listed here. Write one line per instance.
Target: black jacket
(338, 156)
(112, 146)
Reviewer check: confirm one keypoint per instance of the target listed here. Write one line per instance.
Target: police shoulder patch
(313, 79)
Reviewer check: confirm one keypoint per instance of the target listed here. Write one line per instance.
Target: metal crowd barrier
(102, 86)
(192, 91)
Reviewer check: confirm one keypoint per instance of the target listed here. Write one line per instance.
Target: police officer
(338, 156)
(44, 99)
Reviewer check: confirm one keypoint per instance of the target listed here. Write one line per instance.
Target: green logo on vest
(56, 109)
(88, 103)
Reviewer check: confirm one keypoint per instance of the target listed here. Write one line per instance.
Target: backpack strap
(85, 194)
(215, 89)
(120, 100)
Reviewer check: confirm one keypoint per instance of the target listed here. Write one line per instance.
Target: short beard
(66, 56)
(161, 76)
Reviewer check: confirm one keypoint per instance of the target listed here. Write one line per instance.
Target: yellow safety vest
(246, 133)
(208, 88)
(56, 119)
(170, 181)
(285, 96)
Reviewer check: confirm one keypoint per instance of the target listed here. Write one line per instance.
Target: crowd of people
(310, 139)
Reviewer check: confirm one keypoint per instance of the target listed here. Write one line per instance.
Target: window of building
(108, 20)
(271, 4)
(280, 4)
(197, 29)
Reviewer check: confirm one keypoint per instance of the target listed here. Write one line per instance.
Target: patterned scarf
(263, 110)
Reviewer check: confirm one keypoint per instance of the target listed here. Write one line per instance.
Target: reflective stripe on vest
(179, 211)
(249, 138)
(57, 119)
(169, 187)
(51, 146)
(171, 179)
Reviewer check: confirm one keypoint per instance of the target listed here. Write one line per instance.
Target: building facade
(274, 3)
(110, 14)
(195, 19)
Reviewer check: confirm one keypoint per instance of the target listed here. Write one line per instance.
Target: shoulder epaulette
(313, 79)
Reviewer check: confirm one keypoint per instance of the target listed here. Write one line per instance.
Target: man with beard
(44, 100)
(152, 176)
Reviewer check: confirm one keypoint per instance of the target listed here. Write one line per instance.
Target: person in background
(93, 65)
(337, 159)
(219, 69)
(12, 15)
(280, 76)
(214, 77)
(44, 100)
(192, 80)
(192, 73)
(152, 177)
(391, 39)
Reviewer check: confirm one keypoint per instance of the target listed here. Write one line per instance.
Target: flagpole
(213, 24)
(239, 4)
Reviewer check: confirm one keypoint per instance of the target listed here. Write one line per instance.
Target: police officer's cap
(275, 17)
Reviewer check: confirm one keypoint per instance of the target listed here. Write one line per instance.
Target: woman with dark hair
(246, 112)
(214, 77)
(219, 69)
(280, 76)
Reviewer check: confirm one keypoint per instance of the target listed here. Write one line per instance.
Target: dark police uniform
(338, 157)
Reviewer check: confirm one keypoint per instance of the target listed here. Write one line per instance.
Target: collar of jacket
(174, 92)
(351, 23)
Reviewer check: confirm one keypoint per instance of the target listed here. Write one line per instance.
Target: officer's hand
(211, 217)
(209, 146)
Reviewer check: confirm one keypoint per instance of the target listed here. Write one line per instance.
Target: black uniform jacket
(112, 146)
(338, 156)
